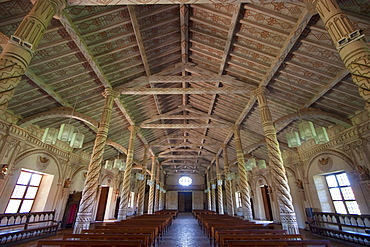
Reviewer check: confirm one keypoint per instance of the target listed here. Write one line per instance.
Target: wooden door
(266, 202)
(102, 203)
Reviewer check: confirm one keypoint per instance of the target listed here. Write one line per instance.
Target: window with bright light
(185, 181)
(24, 192)
(131, 200)
(238, 199)
(341, 194)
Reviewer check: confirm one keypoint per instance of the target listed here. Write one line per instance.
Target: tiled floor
(185, 232)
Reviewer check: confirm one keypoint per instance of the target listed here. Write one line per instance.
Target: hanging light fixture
(293, 139)
(139, 176)
(77, 140)
(307, 130)
(252, 162)
(108, 164)
(322, 136)
(50, 136)
(262, 164)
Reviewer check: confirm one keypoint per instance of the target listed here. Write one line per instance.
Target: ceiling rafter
(279, 59)
(80, 43)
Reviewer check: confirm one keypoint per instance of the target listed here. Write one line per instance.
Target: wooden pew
(91, 243)
(223, 238)
(144, 238)
(119, 231)
(277, 243)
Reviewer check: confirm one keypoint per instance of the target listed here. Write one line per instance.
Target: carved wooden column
(220, 200)
(157, 190)
(228, 183)
(209, 196)
(349, 42)
(125, 189)
(213, 189)
(243, 184)
(142, 183)
(151, 186)
(280, 181)
(92, 177)
(22, 46)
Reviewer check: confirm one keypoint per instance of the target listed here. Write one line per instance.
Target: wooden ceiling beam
(163, 91)
(184, 28)
(268, 12)
(77, 38)
(184, 126)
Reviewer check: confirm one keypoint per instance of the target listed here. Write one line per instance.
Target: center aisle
(184, 232)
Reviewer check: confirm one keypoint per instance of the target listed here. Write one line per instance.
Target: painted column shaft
(229, 193)
(142, 183)
(213, 189)
(126, 185)
(280, 181)
(209, 196)
(22, 46)
(88, 199)
(157, 191)
(243, 183)
(152, 187)
(219, 188)
(350, 43)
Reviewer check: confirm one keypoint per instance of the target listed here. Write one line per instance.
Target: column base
(83, 221)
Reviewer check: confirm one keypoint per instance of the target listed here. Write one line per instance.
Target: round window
(185, 181)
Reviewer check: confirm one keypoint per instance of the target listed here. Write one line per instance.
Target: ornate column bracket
(19, 51)
(350, 43)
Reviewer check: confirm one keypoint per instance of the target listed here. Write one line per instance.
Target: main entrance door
(185, 202)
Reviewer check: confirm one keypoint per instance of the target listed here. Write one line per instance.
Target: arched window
(185, 181)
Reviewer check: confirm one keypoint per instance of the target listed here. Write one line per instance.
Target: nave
(184, 231)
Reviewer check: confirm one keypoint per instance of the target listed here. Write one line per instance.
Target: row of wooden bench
(227, 231)
(145, 230)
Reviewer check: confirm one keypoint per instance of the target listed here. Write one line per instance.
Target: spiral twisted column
(161, 197)
(213, 189)
(125, 189)
(22, 46)
(209, 196)
(280, 181)
(151, 186)
(229, 194)
(219, 187)
(87, 202)
(243, 183)
(157, 190)
(349, 42)
(140, 206)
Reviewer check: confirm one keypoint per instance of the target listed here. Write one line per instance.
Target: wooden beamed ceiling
(185, 73)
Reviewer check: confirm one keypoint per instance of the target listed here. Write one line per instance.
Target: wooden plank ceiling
(185, 72)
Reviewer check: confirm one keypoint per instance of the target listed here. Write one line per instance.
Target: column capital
(260, 90)
(133, 128)
(59, 6)
(110, 92)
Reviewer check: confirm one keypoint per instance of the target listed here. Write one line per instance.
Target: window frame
(339, 187)
(28, 185)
